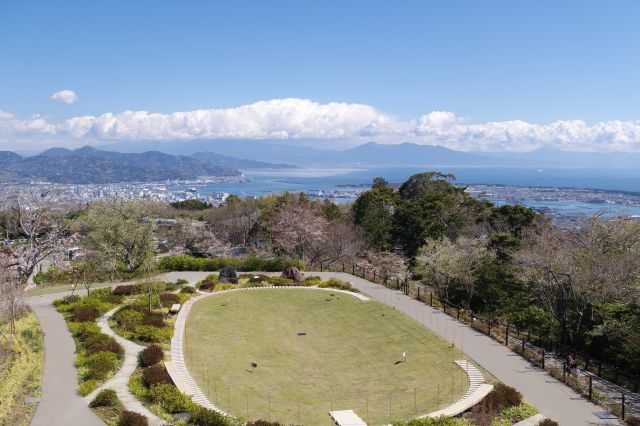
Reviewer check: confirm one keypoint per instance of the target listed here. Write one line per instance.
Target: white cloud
(65, 97)
(303, 119)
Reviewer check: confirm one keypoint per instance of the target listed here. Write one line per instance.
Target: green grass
(347, 360)
(21, 364)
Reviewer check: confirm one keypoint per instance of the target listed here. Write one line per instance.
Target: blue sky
(484, 61)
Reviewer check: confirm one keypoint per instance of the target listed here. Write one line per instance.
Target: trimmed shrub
(127, 290)
(105, 398)
(72, 298)
(187, 290)
(518, 413)
(150, 356)
(201, 416)
(85, 314)
(168, 299)
(263, 423)
(207, 285)
(156, 374)
(149, 333)
(169, 397)
(87, 387)
(279, 281)
(108, 345)
(100, 364)
(128, 318)
(250, 263)
(82, 330)
(501, 397)
(549, 422)
(131, 418)
(153, 320)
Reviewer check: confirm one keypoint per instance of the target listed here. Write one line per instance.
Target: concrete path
(60, 403)
(120, 381)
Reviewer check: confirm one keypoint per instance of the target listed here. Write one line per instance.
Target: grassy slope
(346, 360)
(21, 364)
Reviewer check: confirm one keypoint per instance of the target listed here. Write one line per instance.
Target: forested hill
(89, 165)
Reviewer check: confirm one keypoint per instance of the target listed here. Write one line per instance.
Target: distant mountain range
(237, 163)
(308, 153)
(369, 154)
(89, 165)
(123, 162)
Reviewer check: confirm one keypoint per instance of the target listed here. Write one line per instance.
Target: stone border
(476, 392)
(177, 367)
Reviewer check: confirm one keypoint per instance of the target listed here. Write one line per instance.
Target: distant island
(88, 165)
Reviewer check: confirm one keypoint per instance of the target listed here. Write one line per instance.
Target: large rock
(293, 273)
(228, 275)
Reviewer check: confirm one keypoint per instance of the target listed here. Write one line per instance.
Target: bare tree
(344, 242)
(298, 231)
(196, 239)
(11, 296)
(575, 270)
(451, 263)
(41, 229)
(387, 265)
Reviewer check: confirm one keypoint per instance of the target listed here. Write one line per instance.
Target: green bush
(87, 387)
(105, 398)
(72, 298)
(100, 364)
(169, 397)
(201, 416)
(131, 418)
(127, 317)
(518, 413)
(109, 345)
(501, 397)
(280, 281)
(187, 290)
(149, 333)
(251, 263)
(150, 356)
(82, 330)
(156, 374)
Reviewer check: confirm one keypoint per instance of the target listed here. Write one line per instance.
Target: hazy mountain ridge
(309, 153)
(237, 163)
(89, 165)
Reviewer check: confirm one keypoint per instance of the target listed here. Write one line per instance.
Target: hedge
(251, 263)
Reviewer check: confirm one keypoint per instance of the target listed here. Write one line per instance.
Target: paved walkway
(60, 403)
(120, 381)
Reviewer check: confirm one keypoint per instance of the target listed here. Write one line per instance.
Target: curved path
(120, 381)
(60, 404)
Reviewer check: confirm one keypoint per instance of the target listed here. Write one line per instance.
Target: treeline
(580, 285)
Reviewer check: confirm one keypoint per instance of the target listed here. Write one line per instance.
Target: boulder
(293, 273)
(228, 275)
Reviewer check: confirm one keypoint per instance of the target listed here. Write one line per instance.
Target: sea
(322, 181)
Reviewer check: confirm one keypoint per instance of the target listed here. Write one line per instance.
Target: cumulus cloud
(304, 119)
(65, 97)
